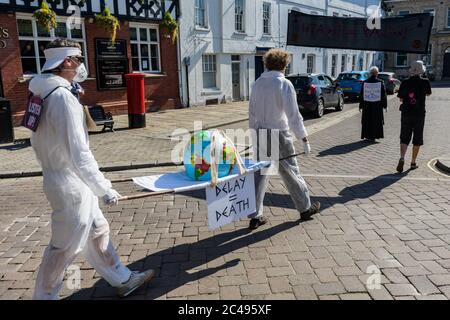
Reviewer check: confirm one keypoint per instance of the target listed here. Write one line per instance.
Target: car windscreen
(349, 76)
(300, 82)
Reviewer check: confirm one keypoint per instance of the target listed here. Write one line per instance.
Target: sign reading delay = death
(231, 200)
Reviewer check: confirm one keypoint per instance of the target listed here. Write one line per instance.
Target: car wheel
(320, 108)
(340, 104)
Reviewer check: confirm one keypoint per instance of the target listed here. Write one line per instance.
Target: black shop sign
(112, 64)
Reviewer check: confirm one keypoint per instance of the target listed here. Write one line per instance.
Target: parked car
(391, 82)
(316, 92)
(351, 82)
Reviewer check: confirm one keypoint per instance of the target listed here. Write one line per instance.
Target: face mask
(82, 73)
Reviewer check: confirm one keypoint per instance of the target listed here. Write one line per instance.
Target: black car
(315, 92)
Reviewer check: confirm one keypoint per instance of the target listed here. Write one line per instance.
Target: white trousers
(288, 170)
(78, 226)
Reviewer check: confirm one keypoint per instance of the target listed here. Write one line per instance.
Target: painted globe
(197, 156)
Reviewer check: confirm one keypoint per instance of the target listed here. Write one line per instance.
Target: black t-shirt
(413, 91)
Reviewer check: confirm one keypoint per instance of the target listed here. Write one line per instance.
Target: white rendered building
(222, 43)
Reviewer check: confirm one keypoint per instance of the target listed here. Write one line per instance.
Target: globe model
(197, 156)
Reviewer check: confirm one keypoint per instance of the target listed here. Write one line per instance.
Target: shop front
(141, 45)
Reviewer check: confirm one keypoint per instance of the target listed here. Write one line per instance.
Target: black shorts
(412, 127)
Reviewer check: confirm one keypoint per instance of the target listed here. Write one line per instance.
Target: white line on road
(389, 177)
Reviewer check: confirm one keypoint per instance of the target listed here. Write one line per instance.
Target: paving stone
(440, 279)
(401, 289)
(329, 288)
(255, 289)
(423, 285)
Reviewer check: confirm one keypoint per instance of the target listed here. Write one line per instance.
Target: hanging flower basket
(108, 22)
(170, 25)
(45, 17)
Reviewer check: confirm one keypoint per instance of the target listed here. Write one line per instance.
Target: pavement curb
(443, 165)
(28, 174)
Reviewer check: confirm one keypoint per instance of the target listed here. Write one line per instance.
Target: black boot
(315, 208)
(256, 222)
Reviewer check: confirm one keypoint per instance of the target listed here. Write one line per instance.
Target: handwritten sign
(231, 200)
(372, 91)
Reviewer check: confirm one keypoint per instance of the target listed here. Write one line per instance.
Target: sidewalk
(126, 148)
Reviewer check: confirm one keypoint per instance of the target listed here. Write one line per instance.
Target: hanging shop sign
(4, 35)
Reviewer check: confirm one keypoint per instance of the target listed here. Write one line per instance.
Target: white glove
(306, 148)
(111, 197)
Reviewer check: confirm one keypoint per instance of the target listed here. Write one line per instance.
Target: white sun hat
(55, 56)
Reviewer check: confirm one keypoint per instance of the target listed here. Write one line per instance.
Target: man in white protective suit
(72, 180)
(273, 112)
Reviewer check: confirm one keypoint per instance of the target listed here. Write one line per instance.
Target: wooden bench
(102, 118)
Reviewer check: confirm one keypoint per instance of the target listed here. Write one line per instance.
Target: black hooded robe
(372, 113)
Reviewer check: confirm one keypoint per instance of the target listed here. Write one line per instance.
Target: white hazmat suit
(72, 184)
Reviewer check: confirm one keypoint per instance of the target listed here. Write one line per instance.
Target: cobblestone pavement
(371, 220)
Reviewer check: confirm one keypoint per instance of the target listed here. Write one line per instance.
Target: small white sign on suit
(231, 200)
(372, 91)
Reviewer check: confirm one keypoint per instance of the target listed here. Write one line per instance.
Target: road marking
(431, 165)
(390, 177)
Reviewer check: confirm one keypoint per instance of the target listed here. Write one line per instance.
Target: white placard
(231, 200)
(372, 91)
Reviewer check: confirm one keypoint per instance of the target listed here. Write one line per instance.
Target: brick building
(146, 49)
(438, 57)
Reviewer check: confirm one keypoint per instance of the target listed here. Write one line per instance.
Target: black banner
(410, 33)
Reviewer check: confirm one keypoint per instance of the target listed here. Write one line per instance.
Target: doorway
(446, 65)
(236, 76)
(2, 94)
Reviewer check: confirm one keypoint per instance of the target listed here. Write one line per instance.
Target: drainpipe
(179, 68)
(279, 24)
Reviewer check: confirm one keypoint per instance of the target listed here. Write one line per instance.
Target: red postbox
(136, 100)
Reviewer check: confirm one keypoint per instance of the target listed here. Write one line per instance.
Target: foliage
(109, 22)
(45, 17)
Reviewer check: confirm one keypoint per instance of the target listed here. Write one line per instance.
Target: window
(328, 82)
(33, 40)
(335, 14)
(289, 68)
(448, 18)
(368, 60)
(209, 71)
(426, 58)
(145, 55)
(266, 17)
(354, 62)
(334, 65)
(401, 59)
(345, 15)
(200, 13)
(314, 13)
(403, 12)
(433, 14)
(310, 63)
(239, 12)
(344, 63)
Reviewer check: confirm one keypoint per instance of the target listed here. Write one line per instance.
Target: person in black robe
(373, 100)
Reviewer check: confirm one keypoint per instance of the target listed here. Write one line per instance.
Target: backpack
(33, 111)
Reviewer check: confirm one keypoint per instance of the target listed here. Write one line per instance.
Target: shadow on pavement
(18, 145)
(344, 148)
(363, 190)
(176, 266)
